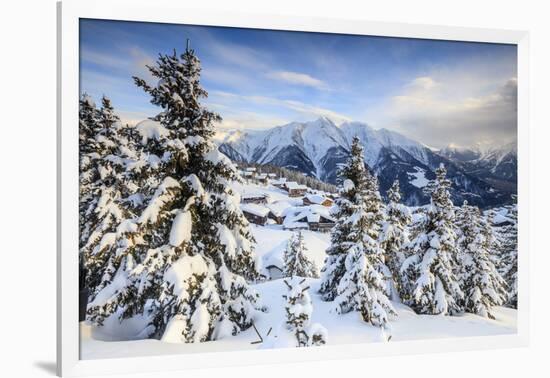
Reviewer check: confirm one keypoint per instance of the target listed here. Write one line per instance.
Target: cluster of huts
(312, 214)
(251, 174)
(304, 209)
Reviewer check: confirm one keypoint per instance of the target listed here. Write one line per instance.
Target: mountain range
(483, 177)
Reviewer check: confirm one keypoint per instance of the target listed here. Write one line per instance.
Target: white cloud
(234, 54)
(423, 83)
(298, 79)
(437, 114)
(296, 110)
(101, 59)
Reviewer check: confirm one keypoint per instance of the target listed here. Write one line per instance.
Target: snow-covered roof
(278, 208)
(315, 198)
(294, 185)
(302, 214)
(254, 195)
(279, 181)
(252, 208)
(273, 258)
(262, 175)
(251, 169)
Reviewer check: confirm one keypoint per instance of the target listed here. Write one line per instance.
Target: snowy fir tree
(482, 285)
(88, 128)
(298, 310)
(430, 268)
(352, 178)
(106, 211)
(296, 262)
(393, 239)
(352, 275)
(362, 288)
(507, 250)
(186, 260)
(102, 171)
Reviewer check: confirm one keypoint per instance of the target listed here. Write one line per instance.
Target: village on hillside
(279, 201)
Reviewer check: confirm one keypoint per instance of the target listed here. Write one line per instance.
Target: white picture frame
(166, 11)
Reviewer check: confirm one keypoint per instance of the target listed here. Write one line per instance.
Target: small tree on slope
(298, 308)
(185, 261)
(296, 260)
(394, 237)
(435, 288)
(482, 285)
(351, 275)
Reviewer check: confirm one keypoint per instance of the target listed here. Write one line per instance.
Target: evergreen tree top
(394, 193)
(439, 191)
(178, 92)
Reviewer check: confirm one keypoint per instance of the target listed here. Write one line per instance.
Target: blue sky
(438, 92)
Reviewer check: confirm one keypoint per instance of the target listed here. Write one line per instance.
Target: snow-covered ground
(271, 240)
(342, 329)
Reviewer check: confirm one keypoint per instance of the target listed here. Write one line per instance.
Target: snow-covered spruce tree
(106, 211)
(295, 259)
(135, 179)
(87, 130)
(432, 263)
(362, 288)
(482, 285)
(394, 237)
(186, 260)
(508, 251)
(298, 309)
(352, 180)
(490, 215)
(352, 274)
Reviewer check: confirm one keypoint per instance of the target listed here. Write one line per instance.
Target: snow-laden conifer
(482, 285)
(353, 275)
(87, 130)
(362, 288)
(296, 262)
(394, 237)
(185, 260)
(106, 211)
(432, 264)
(298, 310)
(507, 250)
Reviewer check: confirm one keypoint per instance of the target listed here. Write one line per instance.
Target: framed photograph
(239, 188)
